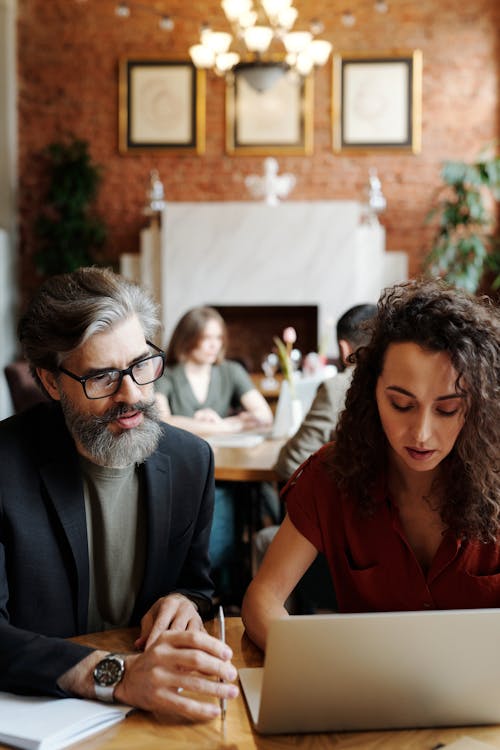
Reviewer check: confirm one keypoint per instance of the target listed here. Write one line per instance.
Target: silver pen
(222, 637)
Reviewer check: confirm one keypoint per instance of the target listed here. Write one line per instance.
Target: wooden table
(242, 464)
(141, 731)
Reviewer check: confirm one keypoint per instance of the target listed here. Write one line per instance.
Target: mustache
(148, 408)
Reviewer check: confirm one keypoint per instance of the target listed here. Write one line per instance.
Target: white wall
(249, 253)
(8, 182)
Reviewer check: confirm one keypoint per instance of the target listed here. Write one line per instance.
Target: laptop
(341, 672)
(305, 390)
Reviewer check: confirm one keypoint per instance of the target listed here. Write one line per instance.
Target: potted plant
(68, 229)
(465, 247)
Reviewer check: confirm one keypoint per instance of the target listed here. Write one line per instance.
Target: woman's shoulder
(231, 365)
(313, 469)
(170, 379)
(234, 371)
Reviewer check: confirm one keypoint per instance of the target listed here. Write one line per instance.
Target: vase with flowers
(286, 356)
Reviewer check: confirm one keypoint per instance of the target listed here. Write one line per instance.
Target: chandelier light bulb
(247, 19)
(258, 38)
(319, 50)
(218, 41)
(226, 61)
(202, 56)
(274, 7)
(297, 41)
(287, 17)
(233, 9)
(304, 63)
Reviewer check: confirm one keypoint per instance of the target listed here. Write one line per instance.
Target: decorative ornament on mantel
(376, 203)
(155, 197)
(270, 186)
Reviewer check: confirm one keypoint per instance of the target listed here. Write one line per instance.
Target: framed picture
(161, 107)
(276, 120)
(377, 102)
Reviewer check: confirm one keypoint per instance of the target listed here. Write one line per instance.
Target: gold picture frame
(377, 102)
(278, 120)
(161, 106)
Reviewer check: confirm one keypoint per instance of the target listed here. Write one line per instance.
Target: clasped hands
(244, 420)
(179, 658)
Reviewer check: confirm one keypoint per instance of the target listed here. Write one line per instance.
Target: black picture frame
(161, 106)
(377, 102)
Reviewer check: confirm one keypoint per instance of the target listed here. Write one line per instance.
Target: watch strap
(105, 693)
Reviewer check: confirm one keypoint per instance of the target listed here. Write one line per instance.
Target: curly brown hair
(467, 328)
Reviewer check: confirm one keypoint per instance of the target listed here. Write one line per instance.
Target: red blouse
(372, 565)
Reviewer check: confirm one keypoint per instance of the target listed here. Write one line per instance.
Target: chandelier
(255, 26)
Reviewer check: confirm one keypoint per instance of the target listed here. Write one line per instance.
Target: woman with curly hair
(405, 504)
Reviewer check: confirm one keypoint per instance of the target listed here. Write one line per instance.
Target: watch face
(108, 671)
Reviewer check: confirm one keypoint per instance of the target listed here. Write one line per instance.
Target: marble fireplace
(294, 255)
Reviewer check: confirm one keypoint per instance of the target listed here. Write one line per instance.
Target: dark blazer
(44, 571)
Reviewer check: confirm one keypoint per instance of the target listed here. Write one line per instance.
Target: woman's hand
(172, 612)
(207, 415)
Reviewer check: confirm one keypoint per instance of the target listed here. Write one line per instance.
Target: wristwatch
(107, 674)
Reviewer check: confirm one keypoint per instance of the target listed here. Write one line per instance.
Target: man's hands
(172, 612)
(179, 657)
(174, 664)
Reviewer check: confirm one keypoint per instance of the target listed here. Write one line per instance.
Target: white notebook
(39, 723)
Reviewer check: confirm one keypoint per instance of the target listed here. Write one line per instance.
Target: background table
(247, 464)
(141, 731)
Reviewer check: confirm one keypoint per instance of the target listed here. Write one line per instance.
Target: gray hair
(70, 308)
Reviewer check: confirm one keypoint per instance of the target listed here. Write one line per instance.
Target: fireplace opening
(251, 330)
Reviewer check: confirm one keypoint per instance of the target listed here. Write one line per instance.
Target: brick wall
(68, 69)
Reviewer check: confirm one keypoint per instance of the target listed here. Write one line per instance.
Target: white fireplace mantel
(296, 253)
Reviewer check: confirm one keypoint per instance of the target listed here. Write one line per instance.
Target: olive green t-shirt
(116, 534)
(229, 381)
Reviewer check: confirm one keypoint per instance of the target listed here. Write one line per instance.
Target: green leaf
(285, 363)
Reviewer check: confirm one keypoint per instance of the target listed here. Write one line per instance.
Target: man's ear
(345, 349)
(49, 382)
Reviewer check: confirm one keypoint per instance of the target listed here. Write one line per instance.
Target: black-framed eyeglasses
(108, 382)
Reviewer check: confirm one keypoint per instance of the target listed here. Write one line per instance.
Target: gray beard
(114, 450)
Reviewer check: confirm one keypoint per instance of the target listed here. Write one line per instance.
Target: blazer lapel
(62, 480)
(158, 499)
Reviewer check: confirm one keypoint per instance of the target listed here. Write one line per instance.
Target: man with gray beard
(105, 513)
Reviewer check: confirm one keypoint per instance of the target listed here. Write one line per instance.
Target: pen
(222, 637)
